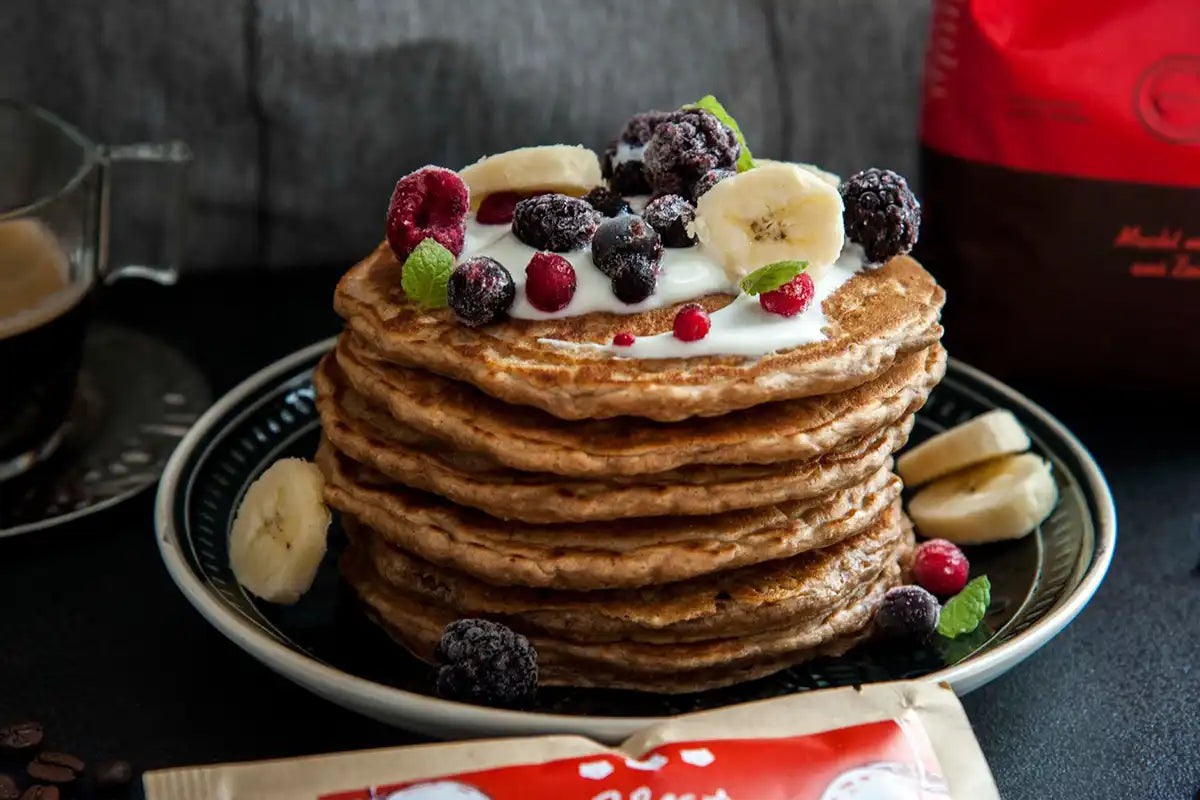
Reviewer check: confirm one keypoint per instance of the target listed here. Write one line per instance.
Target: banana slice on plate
(992, 434)
(278, 536)
(1004, 498)
(569, 169)
(774, 212)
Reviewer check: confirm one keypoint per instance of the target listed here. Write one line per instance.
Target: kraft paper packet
(889, 741)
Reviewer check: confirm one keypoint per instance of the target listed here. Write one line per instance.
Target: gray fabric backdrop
(303, 113)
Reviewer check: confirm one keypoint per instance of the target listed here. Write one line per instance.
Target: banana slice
(278, 536)
(569, 169)
(995, 433)
(833, 180)
(774, 212)
(1004, 498)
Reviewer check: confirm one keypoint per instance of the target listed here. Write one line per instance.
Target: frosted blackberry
(685, 147)
(487, 663)
(635, 284)
(881, 213)
(625, 242)
(629, 177)
(480, 290)
(607, 202)
(555, 222)
(670, 215)
(709, 180)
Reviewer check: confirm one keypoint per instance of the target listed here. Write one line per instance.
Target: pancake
(758, 598)
(526, 438)
(597, 555)
(399, 452)
(876, 317)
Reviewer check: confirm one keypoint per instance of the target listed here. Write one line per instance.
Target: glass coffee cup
(54, 252)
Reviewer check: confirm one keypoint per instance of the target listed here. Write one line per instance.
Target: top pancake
(874, 318)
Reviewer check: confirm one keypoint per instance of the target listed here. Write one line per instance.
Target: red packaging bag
(1060, 180)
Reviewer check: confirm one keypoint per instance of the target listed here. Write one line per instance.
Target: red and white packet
(891, 741)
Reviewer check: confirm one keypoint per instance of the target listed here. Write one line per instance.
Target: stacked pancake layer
(666, 525)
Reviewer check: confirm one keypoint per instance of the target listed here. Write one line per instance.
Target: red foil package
(899, 741)
(1060, 186)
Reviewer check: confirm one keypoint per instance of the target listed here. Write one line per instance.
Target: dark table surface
(96, 642)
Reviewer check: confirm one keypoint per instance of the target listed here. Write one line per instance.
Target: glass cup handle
(163, 267)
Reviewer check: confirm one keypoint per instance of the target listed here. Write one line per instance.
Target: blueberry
(480, 290)
(908, 612)
(487, 663)
(607, 202)
(670, 215)
(554, 222)
(623, 242)
(635, 284)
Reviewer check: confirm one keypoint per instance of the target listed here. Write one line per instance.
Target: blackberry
(670, 214)
(607, 202)
(641, 127)
(686, 147)
(709, 180)
(629, 177)
(480, 290)
(487, 663)
(908, 612)
(554, 222)
(625, 242)
(881, 213)
(635, 284)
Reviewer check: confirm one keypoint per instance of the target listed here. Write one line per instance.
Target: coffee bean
(62, 760)
(41, 793)
(50, 773)
(21, 736)
(8, 788)
(114, 773)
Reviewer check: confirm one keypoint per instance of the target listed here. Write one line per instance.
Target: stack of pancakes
(659, 524)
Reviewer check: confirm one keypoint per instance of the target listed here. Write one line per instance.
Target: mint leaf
(963, 612)
(955, 650)
(772, 276)
(426, 271)
(713, 106)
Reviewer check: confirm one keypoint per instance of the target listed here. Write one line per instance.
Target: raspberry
(549, 282)
(791, 298)
(480, 290)
(554, 222)
(430, 203)
(692, 323)
(607, 202)
(686, 147)
(497, 209)
(908, 612)
(624, 242)
(881, 213)
(635, 284)
(487, 663)
(669, 214)
(941, 567)
(709, 180)
(623, 339)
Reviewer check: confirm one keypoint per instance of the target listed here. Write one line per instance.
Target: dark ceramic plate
(326, 644)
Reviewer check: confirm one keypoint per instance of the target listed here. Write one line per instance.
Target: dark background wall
(303, 113)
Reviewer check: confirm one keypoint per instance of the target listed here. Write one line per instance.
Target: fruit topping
(685, 147)
(963, 612)
(426, 271)
(549, 282)
(881, 213)
(627, 177)
(555, 222)
(790, 299)
(774, 212)
(691, 323)
(480, 291)
(641, 127)
(908, 612)
(569, 169)
(709, 180)
(711, 104)
(430, 203)
(635, 283)
(670, 215)
(623, 339)
(497, 208)
(941, 567)
(607, 202)
(624, 242)
(487, 663)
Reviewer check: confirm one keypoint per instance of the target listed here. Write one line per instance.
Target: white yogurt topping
(628, 152)
(742, 328)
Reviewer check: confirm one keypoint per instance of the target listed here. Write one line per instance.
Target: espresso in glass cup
(54, 215)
